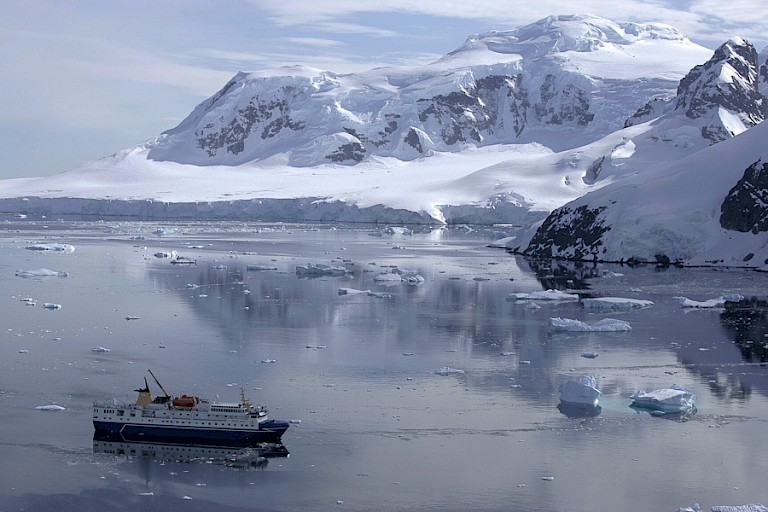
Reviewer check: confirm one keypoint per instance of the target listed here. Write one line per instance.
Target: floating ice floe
(542, 295)
(669, 400)
(320, 269)
(447, 370)
(259, 268)
(51, 247)
(52, 407)
(604, 325)
(183, 260)
(396, 230)
(413, 279)
(387, 277)
(130, 317)
(755, 507)
(615, 304)
(581, 391)
(99, 349)
(51, 305)
(40, 273)
(171, 254)
(717, 302)
(589, 355)
(352, 291)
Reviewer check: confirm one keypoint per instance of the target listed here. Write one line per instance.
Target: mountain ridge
(510, 128)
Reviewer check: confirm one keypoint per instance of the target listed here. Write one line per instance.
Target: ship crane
(167, 395)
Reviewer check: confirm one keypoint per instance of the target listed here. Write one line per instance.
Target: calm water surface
(375, 427)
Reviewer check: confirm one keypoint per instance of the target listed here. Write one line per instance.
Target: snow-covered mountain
(563, 82)
(635, 129)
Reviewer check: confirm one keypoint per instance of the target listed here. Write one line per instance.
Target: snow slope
(674, 212)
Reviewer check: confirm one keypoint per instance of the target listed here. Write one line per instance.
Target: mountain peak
(563, 33)
(726, 82)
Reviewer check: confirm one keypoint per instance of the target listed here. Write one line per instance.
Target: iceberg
(669, 400)
(615, 304)
(542, 295)
(581, 391)
(604, 325)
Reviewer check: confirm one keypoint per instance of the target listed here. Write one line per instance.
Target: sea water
(436, 393)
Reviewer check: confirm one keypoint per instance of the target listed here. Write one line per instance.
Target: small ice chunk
(695, 508)
(554, 295)
(548, 478)
(99, 349)
(604, 325)
(589, 355)
(320, 269)
(52, 407)
(615, 304)
(387, 277)
(672, 399)
(447, 370)
(352, 291)
(269, 361)
(51, 247)
(755, 507)
(581, 391)
(171, 254)
(40, 273)
(259, 268)
(413, 279)
(23, 351)
(131, 317)
(51, 305)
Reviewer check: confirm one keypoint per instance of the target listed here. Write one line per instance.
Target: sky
(83, 79)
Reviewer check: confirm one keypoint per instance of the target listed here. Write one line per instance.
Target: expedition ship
(186, 419)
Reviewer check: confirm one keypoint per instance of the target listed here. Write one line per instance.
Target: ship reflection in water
(241, 456)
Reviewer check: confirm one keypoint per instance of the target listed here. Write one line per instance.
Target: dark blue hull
(269, 431)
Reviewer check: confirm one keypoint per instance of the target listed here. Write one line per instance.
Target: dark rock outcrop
(745, 208)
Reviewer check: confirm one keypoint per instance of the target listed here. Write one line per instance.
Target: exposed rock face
(729, 81)
(650, 110)
(570, 233)
(746, 206)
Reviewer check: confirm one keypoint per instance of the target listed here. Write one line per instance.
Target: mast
(167, 395)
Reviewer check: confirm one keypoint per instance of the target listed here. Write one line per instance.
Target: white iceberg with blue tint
(604, 325)
(581, 391)
(672, 399)
(717, 302)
